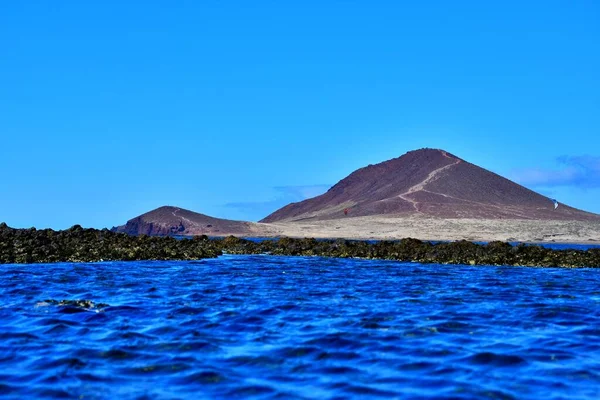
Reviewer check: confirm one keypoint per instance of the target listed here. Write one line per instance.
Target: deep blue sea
(268, 327)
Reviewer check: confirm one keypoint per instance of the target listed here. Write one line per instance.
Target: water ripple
(269, 327)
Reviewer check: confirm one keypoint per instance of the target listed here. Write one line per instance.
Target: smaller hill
(168, 220)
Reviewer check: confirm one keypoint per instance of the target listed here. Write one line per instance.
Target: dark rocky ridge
(85, 245)
(461, 252)
(432, 183)
(168, 220)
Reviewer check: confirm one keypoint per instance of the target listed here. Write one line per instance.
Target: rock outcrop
(86, 245)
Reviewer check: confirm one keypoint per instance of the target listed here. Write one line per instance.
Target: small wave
(125, 309)
(298, 352)
(418, 366)
(59, 329)
(334, 341)
(157, 369)
(53, 394)
(118, 354)
(67, 362)
(338, 370)
(247, 391)
(362, 390)
(94, 378)
(188, 311)
(255, 361)
(6, 389)
(17, 336)
(203, 377)
(497, 360)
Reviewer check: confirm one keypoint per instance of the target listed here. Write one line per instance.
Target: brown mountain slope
(169, 220)
(431, 183)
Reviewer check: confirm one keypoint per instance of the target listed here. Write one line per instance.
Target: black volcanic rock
(85, 245)
(431, 183)
(168, 221)
(460, 252)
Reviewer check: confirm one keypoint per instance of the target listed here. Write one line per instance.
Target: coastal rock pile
(461, 252)
(87, 245)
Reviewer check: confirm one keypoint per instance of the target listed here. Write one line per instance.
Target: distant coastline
(373, 228)
(77, 244)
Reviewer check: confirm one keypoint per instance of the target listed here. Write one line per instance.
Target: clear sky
(109, 109)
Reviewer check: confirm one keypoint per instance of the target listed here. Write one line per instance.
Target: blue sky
(234, 108)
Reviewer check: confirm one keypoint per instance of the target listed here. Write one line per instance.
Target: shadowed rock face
(431, 183)
(169, 220)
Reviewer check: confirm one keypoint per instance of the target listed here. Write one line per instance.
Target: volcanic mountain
(431, 183)
(169, 220)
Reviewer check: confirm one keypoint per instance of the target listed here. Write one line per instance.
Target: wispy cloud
(285, 194)
(302, 192)
(576, 171)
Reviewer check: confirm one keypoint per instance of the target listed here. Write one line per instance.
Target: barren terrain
(518, 230)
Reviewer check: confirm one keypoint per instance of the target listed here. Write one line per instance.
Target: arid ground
(519, 230)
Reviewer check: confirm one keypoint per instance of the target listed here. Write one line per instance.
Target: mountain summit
(432, 183)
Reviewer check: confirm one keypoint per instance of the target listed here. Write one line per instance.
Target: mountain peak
(429, 150)
(431, 183)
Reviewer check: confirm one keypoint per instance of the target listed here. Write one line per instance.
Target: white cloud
(302, 192)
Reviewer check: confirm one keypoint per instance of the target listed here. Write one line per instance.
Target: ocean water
(268, 327)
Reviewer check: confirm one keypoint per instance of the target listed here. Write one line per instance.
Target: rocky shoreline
(88, 245)
(460, 252)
